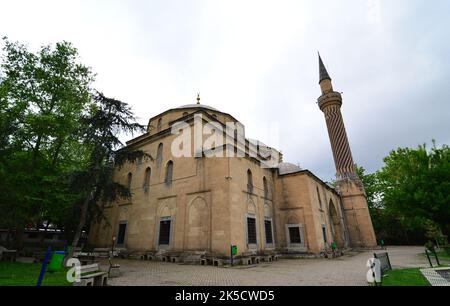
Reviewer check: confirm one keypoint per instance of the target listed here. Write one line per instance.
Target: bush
(442, 241)
(430, 246)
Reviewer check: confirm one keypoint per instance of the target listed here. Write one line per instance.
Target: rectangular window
(268, 228)
(251, 231)
(324, 231)
(294, 235)
(121, 234)
(164, 232)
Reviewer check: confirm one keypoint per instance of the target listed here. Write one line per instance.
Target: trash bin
(56, 262)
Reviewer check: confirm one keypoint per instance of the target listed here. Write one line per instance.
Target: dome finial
(198, 98)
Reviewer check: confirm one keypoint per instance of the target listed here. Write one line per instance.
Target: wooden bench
(39, 256)
(195, 259)
(9, 255)
(92, 276)
(87, 259)
(103, 253)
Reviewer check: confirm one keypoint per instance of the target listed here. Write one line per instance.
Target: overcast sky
(257, 60)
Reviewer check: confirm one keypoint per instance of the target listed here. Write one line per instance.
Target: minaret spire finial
(323, 71)
(198, 98)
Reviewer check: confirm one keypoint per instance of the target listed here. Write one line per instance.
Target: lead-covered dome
(198, 106)
(288, 168)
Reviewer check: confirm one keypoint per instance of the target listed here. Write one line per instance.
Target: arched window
(266, 188)
(169, 173)
(159, 154)
(148, 174)
(249, 181)
(159, 126)
(129, 180)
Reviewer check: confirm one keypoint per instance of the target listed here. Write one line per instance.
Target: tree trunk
(42, 240)
(55, 155)
(18, 239)
(8, 238)
(81, 224)
(36, 149)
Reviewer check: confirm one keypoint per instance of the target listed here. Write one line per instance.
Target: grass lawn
(405, 277)
(24, 274)
(443, 255)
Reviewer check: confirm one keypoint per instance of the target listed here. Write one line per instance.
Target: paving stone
(346, 270)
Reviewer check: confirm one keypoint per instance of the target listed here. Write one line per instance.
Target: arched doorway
(336, 225)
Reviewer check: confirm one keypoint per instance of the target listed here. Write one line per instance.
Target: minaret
(349, 185)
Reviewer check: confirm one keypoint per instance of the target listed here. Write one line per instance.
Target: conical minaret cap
(323, 71)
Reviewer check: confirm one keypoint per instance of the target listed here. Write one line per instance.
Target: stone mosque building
(208, 204)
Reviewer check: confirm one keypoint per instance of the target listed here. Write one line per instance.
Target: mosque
(207, 203)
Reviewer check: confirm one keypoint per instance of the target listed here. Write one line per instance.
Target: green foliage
(447, 252)
(95, 183)
(430, 246)
(409, 198)
(443, 256)
(416, 186)
(372, 187)
(43, 97)
(59, 140)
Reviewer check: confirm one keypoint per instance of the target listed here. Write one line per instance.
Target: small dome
(198, 106)
(288, 168)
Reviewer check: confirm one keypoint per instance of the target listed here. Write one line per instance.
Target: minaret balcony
(332, 98)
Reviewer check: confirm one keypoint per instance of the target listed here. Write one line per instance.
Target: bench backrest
(385, 262)
(89, 268)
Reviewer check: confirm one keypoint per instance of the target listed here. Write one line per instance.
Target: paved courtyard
(349, 270)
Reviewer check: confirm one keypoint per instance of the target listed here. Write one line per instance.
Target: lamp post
(111, 256)
(113, 244)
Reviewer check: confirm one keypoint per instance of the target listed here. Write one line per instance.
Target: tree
(372, 187)
(416, 185)
(43, 97)
(374, 195)
(107, 119)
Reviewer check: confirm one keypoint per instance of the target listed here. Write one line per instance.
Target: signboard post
(433, 252)
(429, 259)
(48, 255)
